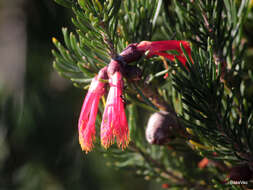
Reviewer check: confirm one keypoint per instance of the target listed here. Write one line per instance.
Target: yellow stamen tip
(54, 40)
(103, 100)
(189, 131)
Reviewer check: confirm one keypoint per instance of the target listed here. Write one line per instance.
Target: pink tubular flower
(87, 119)
(159, 48)
(114, 123)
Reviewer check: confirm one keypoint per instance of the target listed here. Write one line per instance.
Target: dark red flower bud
(240, 173)
(165, 186)
(203, 163)
(161, 128)
(130, 53)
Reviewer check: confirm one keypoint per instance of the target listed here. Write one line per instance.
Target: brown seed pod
(240, 173)
(162, 127)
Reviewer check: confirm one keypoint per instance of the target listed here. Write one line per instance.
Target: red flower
(114, 123)
(203, 163)
(159, 48)
(87, 119)
(165, 186)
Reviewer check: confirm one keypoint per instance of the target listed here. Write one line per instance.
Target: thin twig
(156, 164)
(171, 175)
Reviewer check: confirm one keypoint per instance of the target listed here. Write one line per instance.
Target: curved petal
(87, 133)
(87, 118)
(114, 124)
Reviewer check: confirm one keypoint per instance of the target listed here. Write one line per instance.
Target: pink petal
(158, 48)
(87, 119)
(170, 45)
(182, 59)
(164, 46)
(114, 122)
(87, 134)
(86, 106)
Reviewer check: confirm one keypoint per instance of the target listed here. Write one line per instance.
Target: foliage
(212, 96)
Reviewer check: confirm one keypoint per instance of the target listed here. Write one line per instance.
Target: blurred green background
(39, 110)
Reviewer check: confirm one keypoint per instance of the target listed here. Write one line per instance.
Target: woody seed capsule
(161, 128)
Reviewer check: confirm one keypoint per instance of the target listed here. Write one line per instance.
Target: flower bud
(165, 186)
(203, 163)
(162, 127)
(130, 53)
(241, 172)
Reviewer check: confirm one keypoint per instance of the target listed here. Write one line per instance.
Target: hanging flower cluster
(114, 123)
